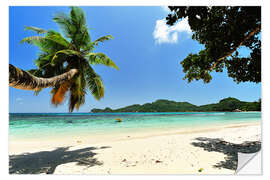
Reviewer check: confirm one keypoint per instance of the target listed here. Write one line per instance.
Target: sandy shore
(211, 150)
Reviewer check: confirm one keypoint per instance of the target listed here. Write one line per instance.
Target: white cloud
(169, 34)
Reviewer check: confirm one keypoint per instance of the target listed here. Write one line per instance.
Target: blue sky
(147, 52)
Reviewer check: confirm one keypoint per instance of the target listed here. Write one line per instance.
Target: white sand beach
(211, 150)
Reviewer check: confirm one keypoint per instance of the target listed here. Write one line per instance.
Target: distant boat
(118, 120)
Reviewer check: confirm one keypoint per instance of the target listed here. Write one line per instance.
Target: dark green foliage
(107, 109)
(227, 104)
(222, 31)
(210, 107)
(230, 104)
(132, 108)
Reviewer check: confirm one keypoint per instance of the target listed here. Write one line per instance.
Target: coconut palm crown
(59, 54)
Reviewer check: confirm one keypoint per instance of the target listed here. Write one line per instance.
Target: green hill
(162, 105)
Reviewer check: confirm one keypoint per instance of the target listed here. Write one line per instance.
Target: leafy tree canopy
(222, 31)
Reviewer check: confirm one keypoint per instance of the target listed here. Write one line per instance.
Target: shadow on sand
(229, 149)
(47, 161)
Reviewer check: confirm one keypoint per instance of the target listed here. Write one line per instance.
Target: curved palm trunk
(21, 79)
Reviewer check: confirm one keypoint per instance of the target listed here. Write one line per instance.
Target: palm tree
(59, 54)
(21, 79)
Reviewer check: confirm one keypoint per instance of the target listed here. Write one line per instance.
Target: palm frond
(65, 24)
(53, 42)
(35, 40)
(50, 43)
(89, 48)
(58, 93)
(74, 27)
(81, 37)
(101, 58)
(43, 60)
(77, 16)
(73, 99)
(102, 39)
(57, 38)
(77, 93)
(67, 52)
(35, 29)
(94, 82)
(44, 64)
(81, 90)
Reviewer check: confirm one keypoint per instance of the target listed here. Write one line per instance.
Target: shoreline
(87, 138)
(130, 112)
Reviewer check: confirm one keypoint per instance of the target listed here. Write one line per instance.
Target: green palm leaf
(74, 27)
(43, 60)
(36, 29)
(35, 40)
(51, 43)
(65, 24)
(77, 16)
(77, 92)
(67, 52)
(57, 38)
(102, 39)
(94, 82)
(101, 58)
(81, 36)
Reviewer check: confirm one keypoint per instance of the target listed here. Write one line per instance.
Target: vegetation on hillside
(227, 104)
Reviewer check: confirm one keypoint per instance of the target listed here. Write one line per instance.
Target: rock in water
(118, 120)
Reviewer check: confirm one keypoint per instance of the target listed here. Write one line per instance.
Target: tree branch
(250, 34)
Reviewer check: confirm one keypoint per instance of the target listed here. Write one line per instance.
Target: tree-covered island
(161, 105)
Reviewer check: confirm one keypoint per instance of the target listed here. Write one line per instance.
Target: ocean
(42, 125)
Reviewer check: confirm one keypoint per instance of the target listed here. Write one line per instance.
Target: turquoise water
(23, 125)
